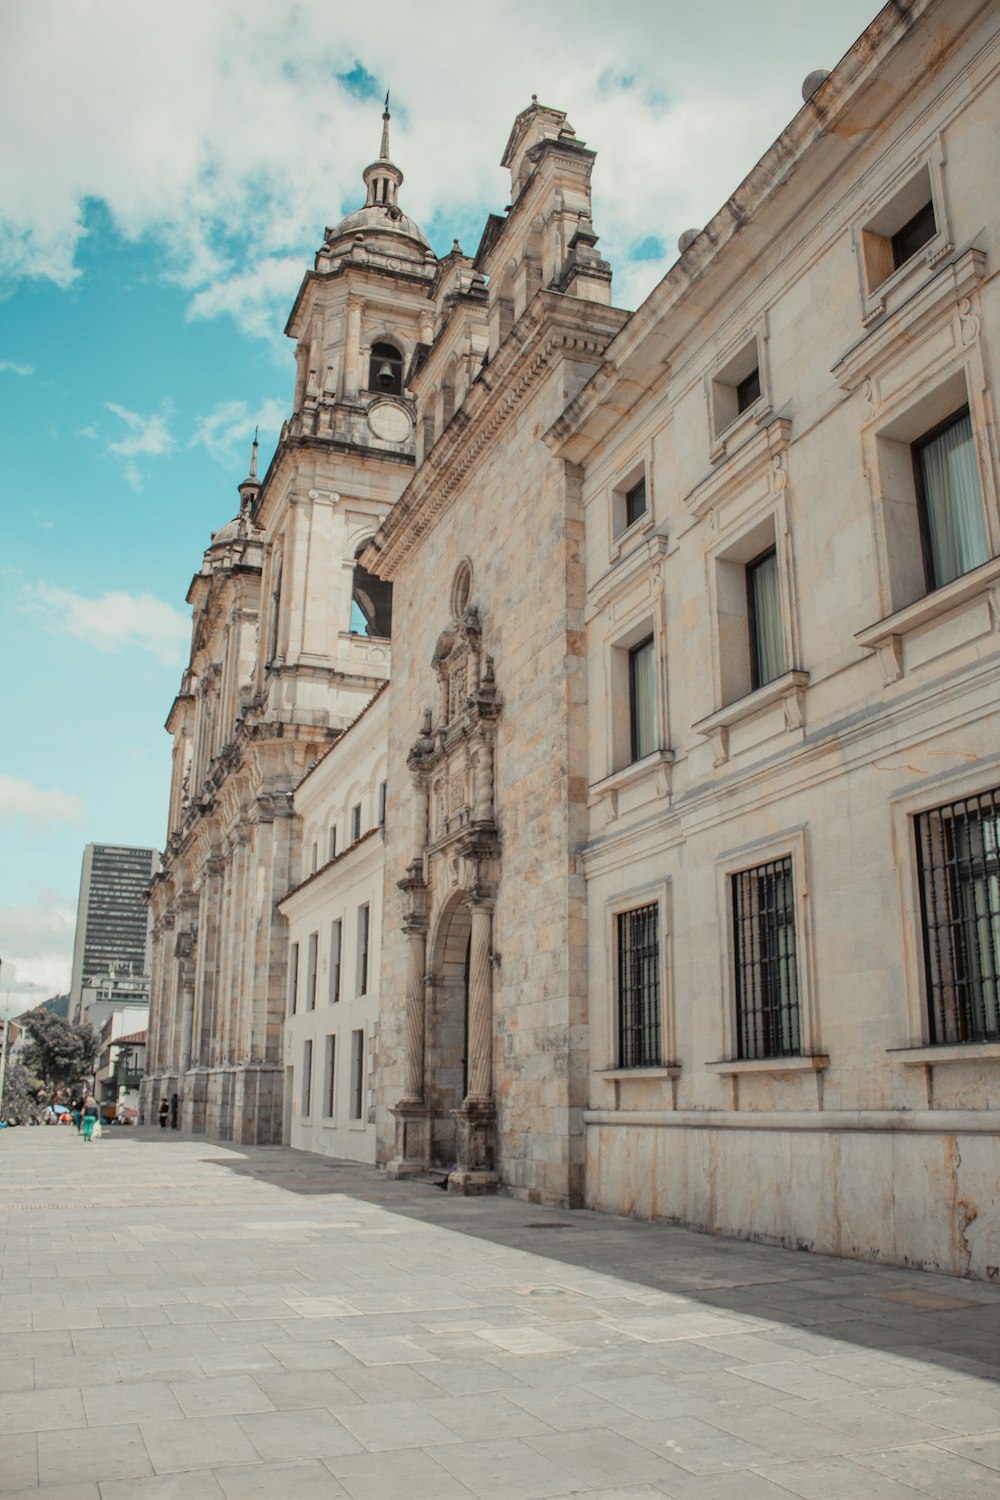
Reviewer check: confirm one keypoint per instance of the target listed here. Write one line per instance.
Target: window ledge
(932, 1057)
(789, 689)
(886, 635)
(623, 1075)
(640, 527)
(636, 770)
(741, 426)
(800, 1064)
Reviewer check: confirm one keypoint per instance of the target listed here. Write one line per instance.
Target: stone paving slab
(182, 1320)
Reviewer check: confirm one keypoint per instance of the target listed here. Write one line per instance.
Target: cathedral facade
(691, 813)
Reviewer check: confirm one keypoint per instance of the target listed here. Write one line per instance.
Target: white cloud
(145, 437)
(227, 430)
(115, 621)
(11, 367)
(37, 946)
(22, 799)
(221, 132)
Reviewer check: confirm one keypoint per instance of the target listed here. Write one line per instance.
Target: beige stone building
(290, 639)
(691, 864)
(788, 472)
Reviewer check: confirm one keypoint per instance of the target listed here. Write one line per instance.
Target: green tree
(21, 1091)
(58, 1052)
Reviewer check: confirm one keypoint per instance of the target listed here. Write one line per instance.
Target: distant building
(120, 1061)
(112, 922)
(105, 995)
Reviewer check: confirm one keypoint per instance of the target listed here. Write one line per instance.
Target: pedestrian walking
(76, 1110)
(90, 1114)
(174, 1102)
(163, 1112)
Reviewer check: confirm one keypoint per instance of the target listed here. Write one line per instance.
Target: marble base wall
(926, 1196)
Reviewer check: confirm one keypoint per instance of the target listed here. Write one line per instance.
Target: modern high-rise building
(112, 921)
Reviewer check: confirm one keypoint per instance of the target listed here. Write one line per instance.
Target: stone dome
(379, 218)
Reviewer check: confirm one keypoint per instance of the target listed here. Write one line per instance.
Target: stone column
(352, 350)
(480, 1041)
(416, 940)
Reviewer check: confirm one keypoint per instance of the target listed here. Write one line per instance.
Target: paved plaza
(186, 1321)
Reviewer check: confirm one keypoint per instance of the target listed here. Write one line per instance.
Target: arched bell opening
(385, 369)
(447, 1028)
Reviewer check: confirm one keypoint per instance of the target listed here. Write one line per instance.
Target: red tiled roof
(134, 1039)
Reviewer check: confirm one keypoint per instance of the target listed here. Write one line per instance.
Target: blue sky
(165, 176)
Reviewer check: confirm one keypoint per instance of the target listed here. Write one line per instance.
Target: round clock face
(389, 422)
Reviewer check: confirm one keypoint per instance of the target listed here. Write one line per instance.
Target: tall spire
(386, 117)
(383, 177)
(253, 454)
(250, 488)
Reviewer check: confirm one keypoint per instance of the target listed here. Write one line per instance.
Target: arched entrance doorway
(446, 1057)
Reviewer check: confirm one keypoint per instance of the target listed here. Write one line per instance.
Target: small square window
(902, 226)
(629, 500)
(736, 387)
(642, 698)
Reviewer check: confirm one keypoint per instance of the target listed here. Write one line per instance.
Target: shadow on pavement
(879, 1309)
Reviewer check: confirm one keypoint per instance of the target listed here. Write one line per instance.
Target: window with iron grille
(958, 860)
(767, 986)
(639, 1035)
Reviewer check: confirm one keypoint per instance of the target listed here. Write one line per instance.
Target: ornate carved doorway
(446, 1116)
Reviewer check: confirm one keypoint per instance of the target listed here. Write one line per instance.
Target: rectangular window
(363, 927)
(635, 502)
(357, 1074)
(293, 978)
(312, 957)
(330, 1078)
(356, 821)
(381, 804)
(332, 847)
(767, 987)
(642, 698)
(307, 1074)
(767, 651)
(336, 938)
(958, 861)
(639, 1039)
(951, 513)
(314, 859)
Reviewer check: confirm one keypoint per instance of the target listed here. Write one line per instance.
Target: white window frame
(746, 352)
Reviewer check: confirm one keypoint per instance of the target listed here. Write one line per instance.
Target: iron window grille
(768, 1021)
(639, 1030)
(958, 861)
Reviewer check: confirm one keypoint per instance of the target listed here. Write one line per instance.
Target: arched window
(371, 601)
(385, 370)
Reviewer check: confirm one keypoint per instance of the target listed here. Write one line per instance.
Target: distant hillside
(57, 1004)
